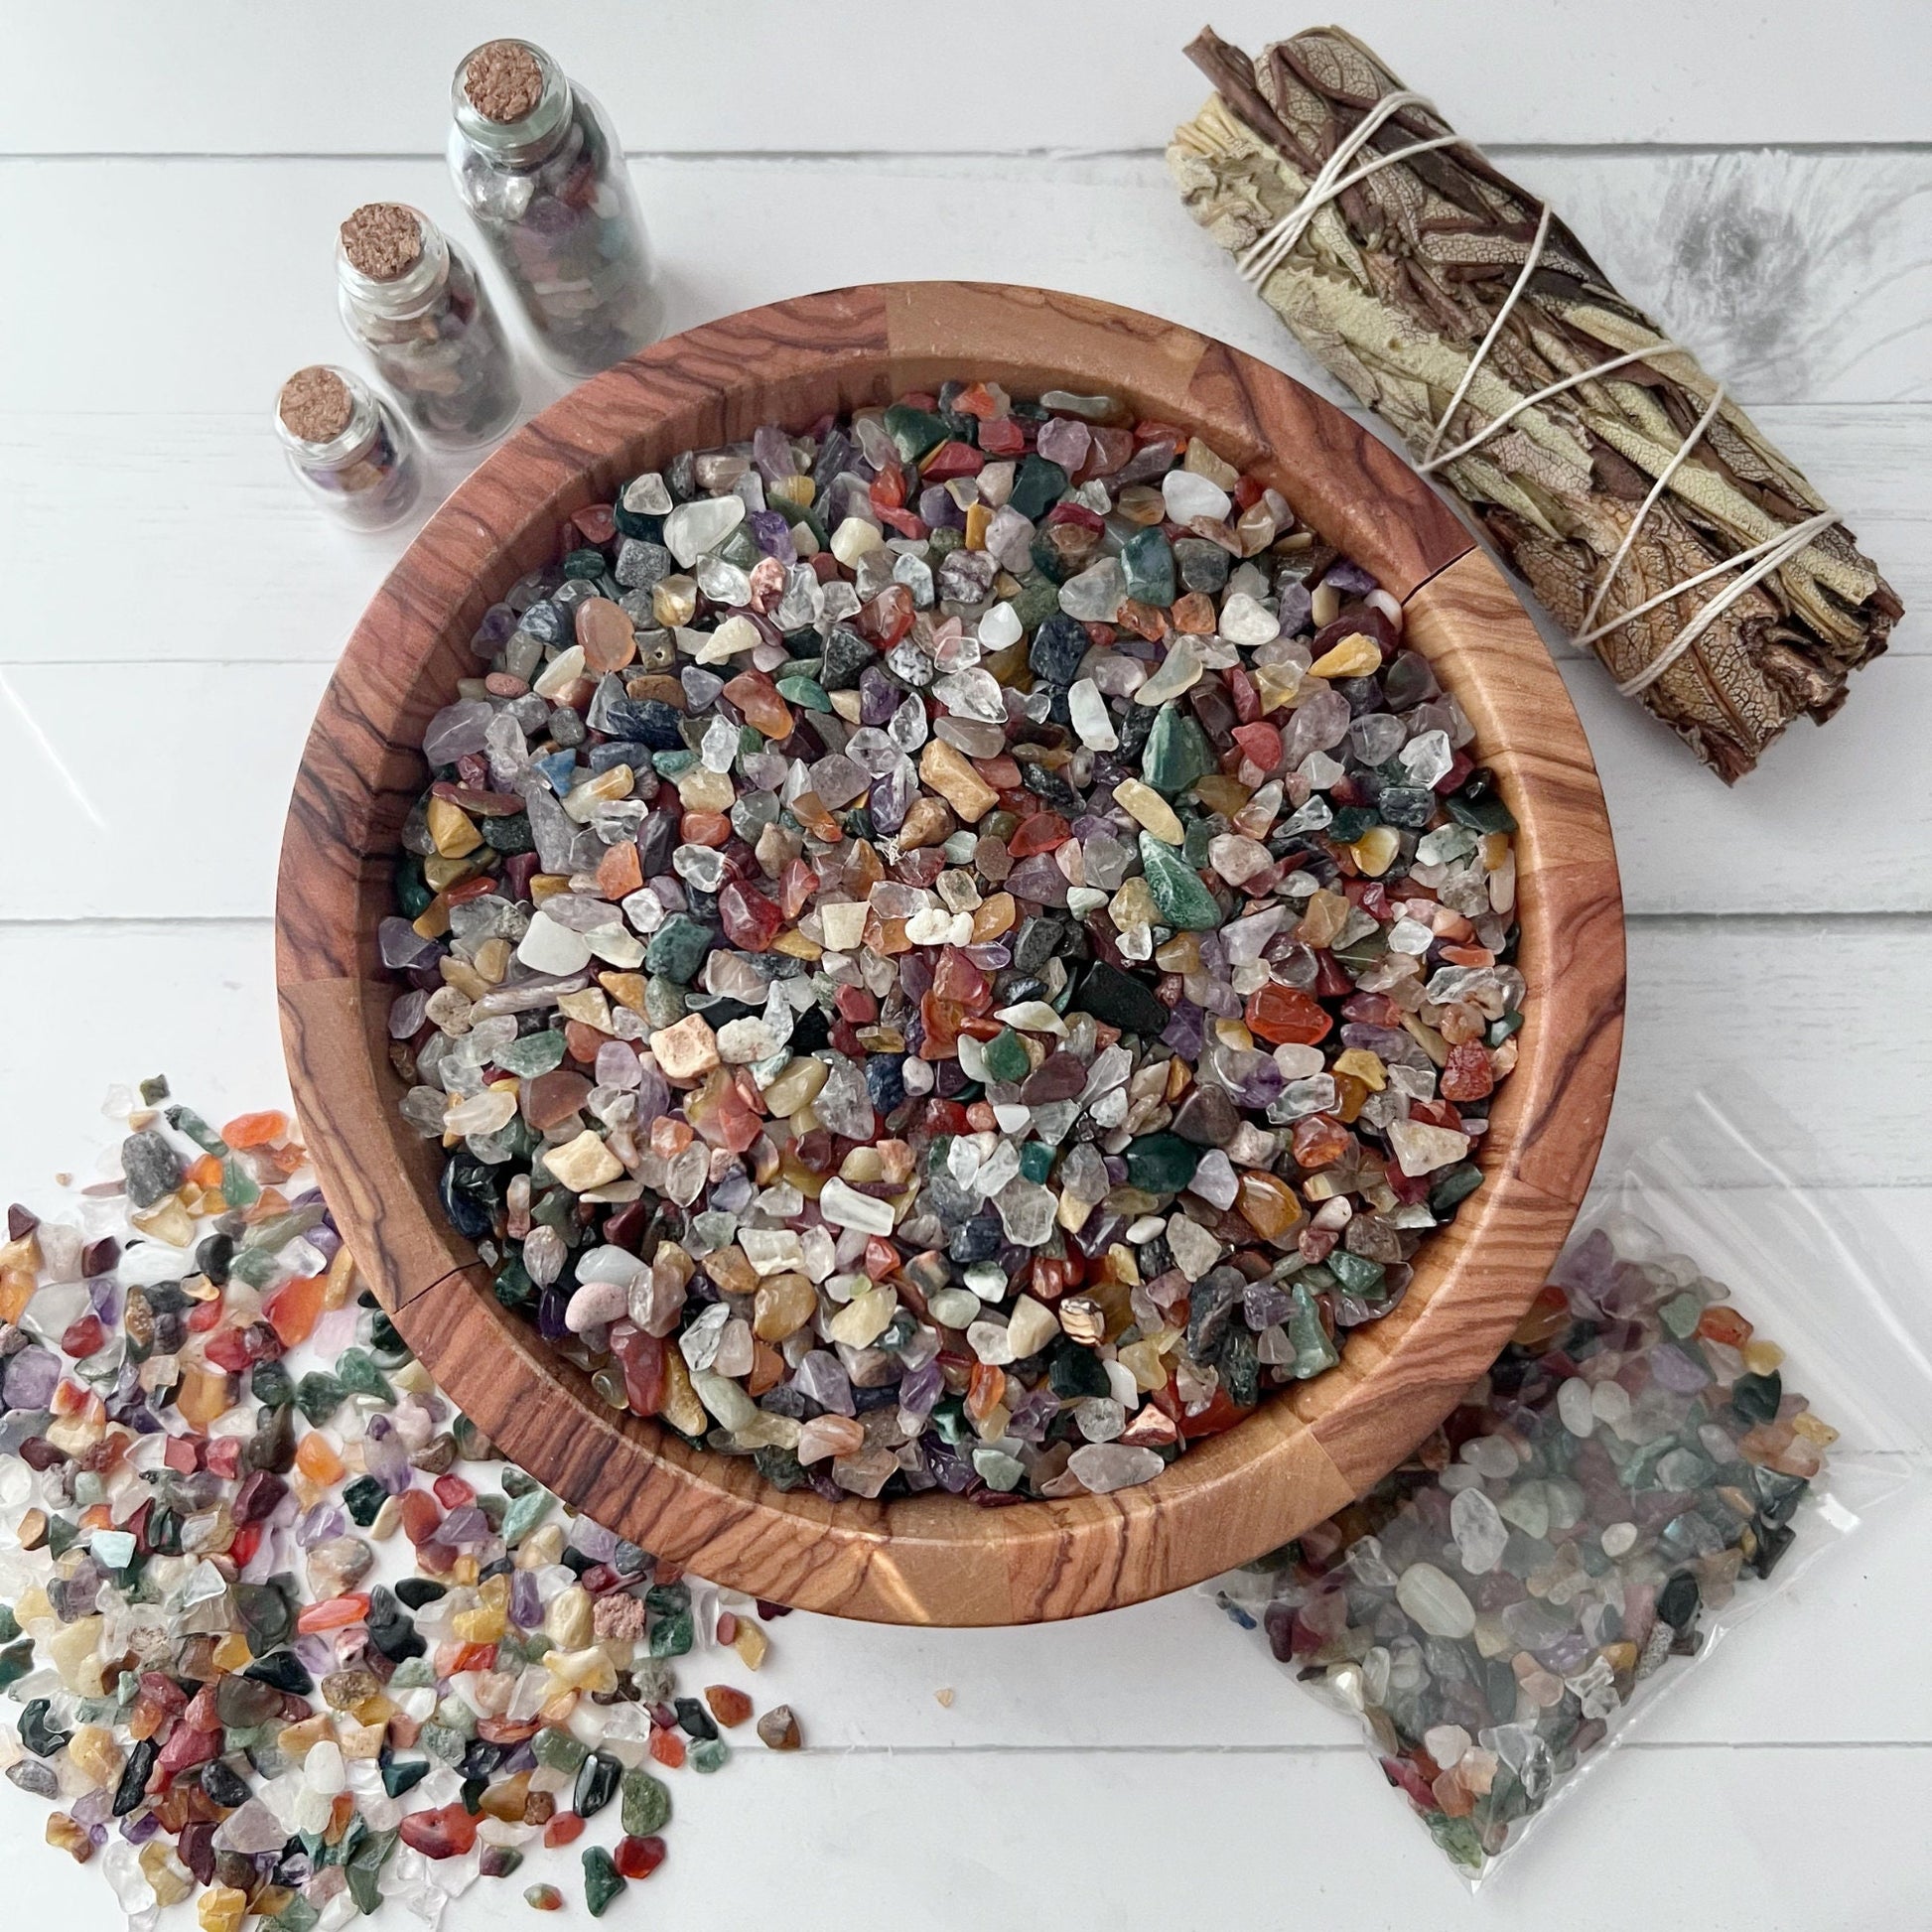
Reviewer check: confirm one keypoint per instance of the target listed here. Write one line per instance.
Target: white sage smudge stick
(1648, 513)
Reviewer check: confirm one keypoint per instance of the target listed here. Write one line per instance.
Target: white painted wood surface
(360, 77)
(169, 181)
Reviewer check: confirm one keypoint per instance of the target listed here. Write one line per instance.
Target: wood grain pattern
(938, 1560)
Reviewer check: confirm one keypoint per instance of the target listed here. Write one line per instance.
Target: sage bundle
(1646, 510)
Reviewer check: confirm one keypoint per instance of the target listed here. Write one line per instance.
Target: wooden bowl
(938, 1559)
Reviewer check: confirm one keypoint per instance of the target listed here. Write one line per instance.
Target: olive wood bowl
(937, 1559)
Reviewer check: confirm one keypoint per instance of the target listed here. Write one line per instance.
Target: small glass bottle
(538, 166)
(349, 447)
(414, 302)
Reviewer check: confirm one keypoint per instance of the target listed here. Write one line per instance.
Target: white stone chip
(1421, 1149)
(771, 1251)
(844, 1206)
(694, 528)
(1088, 710)
(1106, 1467)
(844, 925)
(1187, 495)
(548, 947)
(1194, 1250)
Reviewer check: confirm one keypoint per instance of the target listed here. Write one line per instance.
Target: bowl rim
(1306, 1452)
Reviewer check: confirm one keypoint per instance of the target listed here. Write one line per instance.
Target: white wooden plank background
(169, 180)
(359, 77)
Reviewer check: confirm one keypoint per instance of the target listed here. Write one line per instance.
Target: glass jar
(347, 445)
(539, 168)
(415, 304)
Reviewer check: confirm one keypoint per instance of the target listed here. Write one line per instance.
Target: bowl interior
(1310, 1448)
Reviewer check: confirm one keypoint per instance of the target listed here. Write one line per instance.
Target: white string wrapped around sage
(1644, 507)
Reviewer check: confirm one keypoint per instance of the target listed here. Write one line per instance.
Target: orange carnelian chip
(994, 916)
(1040, 833)
(951, 458)
(808, 808)
(796, 885)
(983, 1390)
(728, 1705)
(295, 1307)
(705, 828)
(618, 871)
(864, 868)
(200, 1398)
(1467, 1075)
(767, 1369)
(1724, 1326)
(1287, 1015)
(1221, 1413)
(256, 1129)
(581, 1041)
(446, 1833)
(1351, 1096)
(757, 697)
(334, 1612)
(1267, 1204)
(317, 1460)
(956, 978)
(421, 1516)
(941, 1019)
(1144, 620)
(1321, 1141)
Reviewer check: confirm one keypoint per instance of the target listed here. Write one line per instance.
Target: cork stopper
(315, 406)
(503, 81)
(382, 240)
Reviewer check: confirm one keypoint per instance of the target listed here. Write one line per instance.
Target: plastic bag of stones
(1714, 1390)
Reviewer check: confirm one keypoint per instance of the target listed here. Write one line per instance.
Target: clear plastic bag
(1715, 1392)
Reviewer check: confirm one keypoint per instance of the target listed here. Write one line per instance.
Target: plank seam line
(792, 156)
(1350, 1749)
(137, 919)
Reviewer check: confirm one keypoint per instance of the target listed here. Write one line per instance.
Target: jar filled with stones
(347, 446)
(540, 168)
(414, 302)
